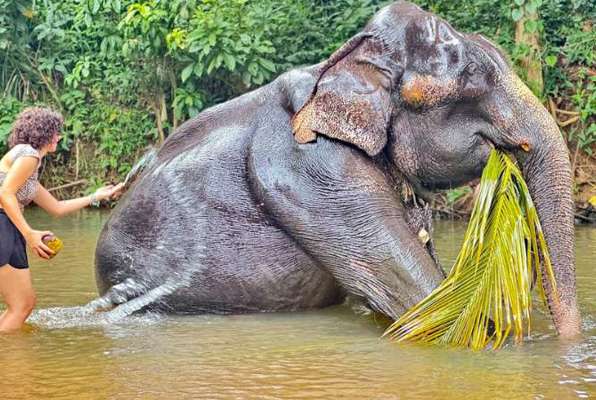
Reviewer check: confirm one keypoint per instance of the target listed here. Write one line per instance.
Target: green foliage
(569, 49)
(487, 294)
(454, 195)
(229, 37)
(308, 31)
(120, 135)
(204, 52)
(162, 62)
(15, 32)
(14, 26)
(584, 99)
(525, 8)
(490, 18)
(9, 108)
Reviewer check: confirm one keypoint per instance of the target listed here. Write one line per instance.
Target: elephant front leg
(354, 224)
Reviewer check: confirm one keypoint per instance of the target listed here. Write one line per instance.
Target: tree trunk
(531, 63)
(173, 88)
(161, 115)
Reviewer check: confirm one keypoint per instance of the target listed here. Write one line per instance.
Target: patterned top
(27, 192)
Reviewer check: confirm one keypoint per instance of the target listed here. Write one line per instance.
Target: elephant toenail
(423, 236)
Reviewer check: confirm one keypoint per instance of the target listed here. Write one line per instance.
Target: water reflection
(332, 353)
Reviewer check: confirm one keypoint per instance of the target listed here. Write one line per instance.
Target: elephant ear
(351, 100)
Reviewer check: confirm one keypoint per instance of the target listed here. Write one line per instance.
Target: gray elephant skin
(312, 187)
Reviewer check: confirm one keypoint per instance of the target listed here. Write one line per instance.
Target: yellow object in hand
(53, 243)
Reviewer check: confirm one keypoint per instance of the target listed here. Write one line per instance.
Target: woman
(35, 133)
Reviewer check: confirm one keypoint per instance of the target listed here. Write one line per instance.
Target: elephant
(316, 186)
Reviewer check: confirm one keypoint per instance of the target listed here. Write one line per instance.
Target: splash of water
(83, 317)
(111, 308)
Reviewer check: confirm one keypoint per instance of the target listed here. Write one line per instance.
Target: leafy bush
(126, 73)
(9, 109)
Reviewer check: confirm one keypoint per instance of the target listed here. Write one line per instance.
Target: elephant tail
(145, 161)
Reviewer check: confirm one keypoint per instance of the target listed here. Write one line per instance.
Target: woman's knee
(24, 305)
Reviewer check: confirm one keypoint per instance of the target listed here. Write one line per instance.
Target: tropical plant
(15, 34)
(165, 61)
(488, 291)
(9, 108)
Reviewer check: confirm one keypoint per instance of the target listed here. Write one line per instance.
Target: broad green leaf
(517, 14)
(229, 61)
(198, 69)
(212, 39)
(530, 26)
(550, 60)
(117, 6)
(268, 65)
(531, 7)
(253, 68)
(212, 65)
(187, 71)
(61, 68)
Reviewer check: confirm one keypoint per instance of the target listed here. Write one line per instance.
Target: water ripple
(334, 353)
(81, 316)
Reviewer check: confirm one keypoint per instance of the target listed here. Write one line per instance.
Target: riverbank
(585, 211)
(457, 203)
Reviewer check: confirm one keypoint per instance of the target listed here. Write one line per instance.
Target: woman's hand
(35, 242)
(109, 192)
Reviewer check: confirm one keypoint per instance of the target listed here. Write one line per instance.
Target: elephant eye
(471, 68)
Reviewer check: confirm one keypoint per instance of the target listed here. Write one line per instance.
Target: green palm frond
(487, 295)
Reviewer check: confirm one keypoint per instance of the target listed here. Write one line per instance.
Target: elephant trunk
(533, 135)
(548, 175)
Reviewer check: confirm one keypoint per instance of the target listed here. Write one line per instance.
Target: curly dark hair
(35, 126)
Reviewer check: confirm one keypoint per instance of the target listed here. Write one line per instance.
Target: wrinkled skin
(312, 187)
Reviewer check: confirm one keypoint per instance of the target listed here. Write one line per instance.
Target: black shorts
(12, 244)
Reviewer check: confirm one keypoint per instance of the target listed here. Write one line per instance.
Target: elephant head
(432, 102)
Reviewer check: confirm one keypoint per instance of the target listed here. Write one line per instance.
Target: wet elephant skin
(312, 187)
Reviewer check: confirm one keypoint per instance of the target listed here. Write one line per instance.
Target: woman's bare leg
(16, 288)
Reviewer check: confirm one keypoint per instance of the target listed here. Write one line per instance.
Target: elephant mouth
(485, 138)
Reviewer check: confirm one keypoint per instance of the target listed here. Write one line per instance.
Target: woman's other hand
(35, 242)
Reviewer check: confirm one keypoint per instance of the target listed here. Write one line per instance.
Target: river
(327, 354)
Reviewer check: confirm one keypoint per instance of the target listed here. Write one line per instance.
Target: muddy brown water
(326, 354)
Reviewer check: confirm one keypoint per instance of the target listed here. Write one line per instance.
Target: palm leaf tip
(487, 295)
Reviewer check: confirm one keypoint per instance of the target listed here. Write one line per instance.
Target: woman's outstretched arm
(48, 202)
